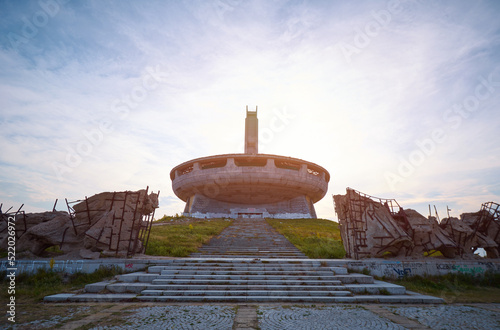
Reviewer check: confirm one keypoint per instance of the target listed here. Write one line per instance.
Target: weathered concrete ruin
(249, 185)
(376, 227)
(109, 223)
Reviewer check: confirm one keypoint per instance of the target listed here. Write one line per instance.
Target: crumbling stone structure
(477, 230)
(109, 223)
(369, 228)
(376, 227)
(249, 185)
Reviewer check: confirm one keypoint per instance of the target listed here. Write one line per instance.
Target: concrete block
(97, 287)
(110, 297)
(61, 297)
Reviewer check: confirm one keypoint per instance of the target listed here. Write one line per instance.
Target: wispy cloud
(360, 116)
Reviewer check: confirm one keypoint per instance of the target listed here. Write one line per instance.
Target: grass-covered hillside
(180, 240)
(316, 238)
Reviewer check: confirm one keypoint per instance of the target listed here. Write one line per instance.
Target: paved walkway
(234, 316)
(241, 239)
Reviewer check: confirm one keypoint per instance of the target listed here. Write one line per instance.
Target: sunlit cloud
(382, 97)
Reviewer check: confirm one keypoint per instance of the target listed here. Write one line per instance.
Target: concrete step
(249, 277)
(207, 293)
(355, 279)
(117, 287)
(243, 251)
(154, 278)
(249, 260)
(268, 249)
(246, 282)
(232, 254)
(381, 299)
(125, 297)
(378, 287)
(228, 256)
(137, 277)
(247, 272)
(242, 267)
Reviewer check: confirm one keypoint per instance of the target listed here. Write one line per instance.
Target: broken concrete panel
(428, 236)
(89, 254)
(487, 222)
(468, 239)
(367, 227)
(46, 234)
(104, 222)
(366, 222)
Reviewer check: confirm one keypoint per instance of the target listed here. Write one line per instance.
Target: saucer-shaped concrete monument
(249, 185)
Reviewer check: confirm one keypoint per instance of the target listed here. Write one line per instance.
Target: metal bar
(132, 225)
(110, 240)
(134, 245)
(71, 216)
(150, 226)
(19, 209)
(63, 236)
(54, 207)
(121, 222)
(88, 209)
(112, 200)
(437, 215)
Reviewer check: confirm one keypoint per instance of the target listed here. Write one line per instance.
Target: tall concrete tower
(249, 185)
(251, 132)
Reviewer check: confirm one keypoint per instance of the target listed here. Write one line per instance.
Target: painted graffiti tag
(67, 266)
(403, 272)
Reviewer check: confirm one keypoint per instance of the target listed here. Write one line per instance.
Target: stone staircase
(249, 238)
(232, 268)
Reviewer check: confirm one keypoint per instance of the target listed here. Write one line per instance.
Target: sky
(397, 99)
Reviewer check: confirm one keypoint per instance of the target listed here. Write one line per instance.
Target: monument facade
(250, 185)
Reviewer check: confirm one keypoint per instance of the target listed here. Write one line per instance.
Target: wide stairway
(248, 262)
(249, 238)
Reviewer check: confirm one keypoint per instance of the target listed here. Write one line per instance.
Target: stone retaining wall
(387, 268)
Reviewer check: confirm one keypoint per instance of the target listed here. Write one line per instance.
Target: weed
(32, 287)
(384, 292)
(456, 287)
(365, 271)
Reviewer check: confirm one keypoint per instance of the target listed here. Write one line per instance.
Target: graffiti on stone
(402, 272)
(66, 266)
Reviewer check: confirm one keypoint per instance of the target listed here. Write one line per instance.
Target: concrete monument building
(250, 184)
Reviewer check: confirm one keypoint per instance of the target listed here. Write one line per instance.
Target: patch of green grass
(456, 288)
(182, 240)
(316, 238)
(33, 287)
(167, 218)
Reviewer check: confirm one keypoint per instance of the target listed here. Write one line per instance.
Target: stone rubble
(375, 227)
(108, 223)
